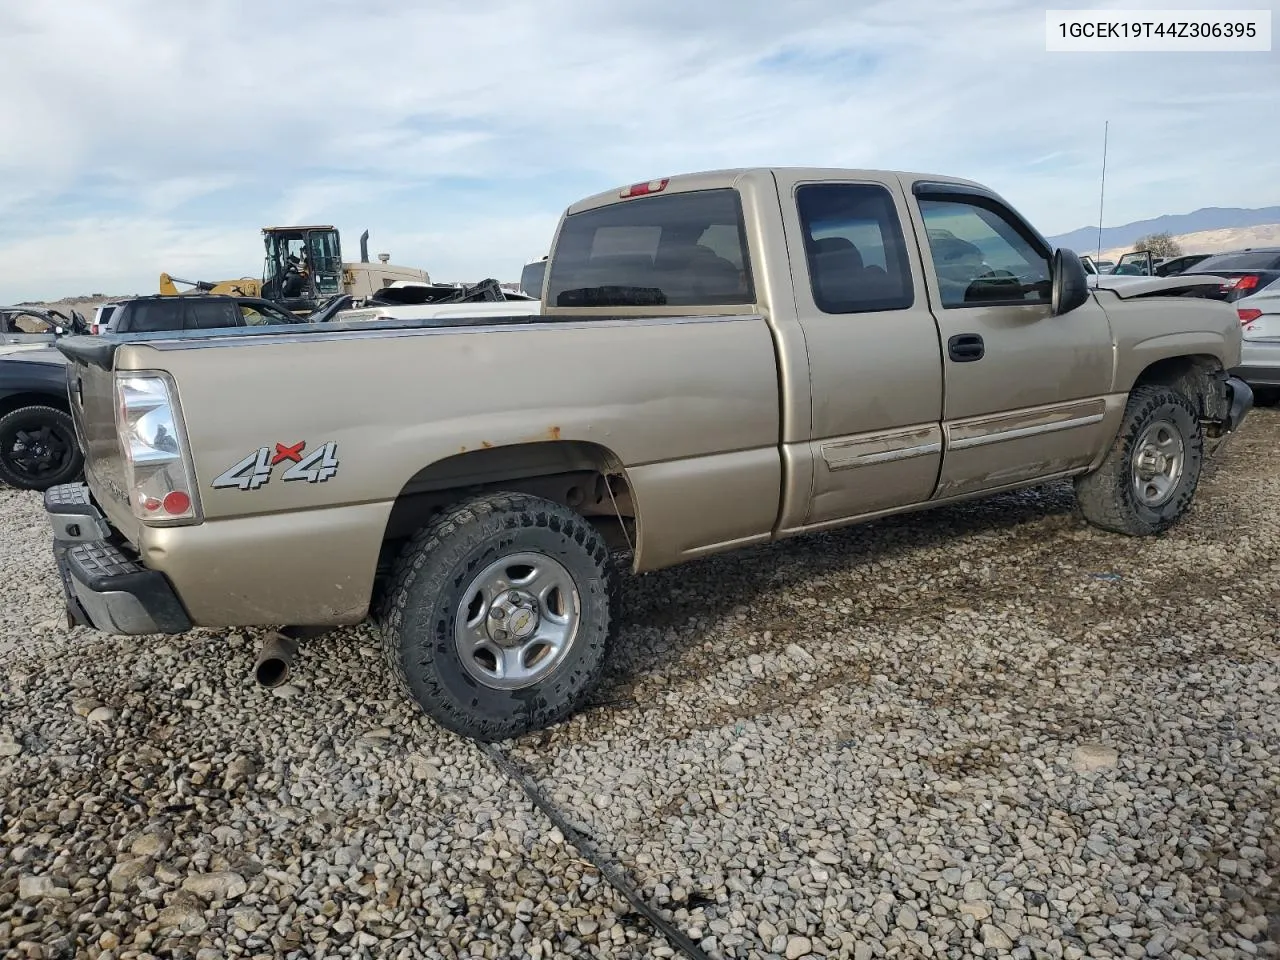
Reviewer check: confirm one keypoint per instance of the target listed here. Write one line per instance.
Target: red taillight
(176, 502)
(641, 189)
(152, 442)
(1249, 282)
(1248, 315)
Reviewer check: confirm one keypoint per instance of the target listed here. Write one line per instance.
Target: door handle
(966, 347)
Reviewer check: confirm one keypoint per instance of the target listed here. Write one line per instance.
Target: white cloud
(120, 256)
(320, 110)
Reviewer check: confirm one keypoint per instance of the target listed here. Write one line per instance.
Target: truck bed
(688, 405)
(99, 351)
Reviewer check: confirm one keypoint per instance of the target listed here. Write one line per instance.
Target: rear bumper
(105, 588)
(1259, 363)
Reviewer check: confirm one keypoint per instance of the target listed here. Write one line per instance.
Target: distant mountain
(1207, 218)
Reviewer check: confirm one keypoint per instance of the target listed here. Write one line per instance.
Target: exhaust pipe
(364, 247)
(275, 660)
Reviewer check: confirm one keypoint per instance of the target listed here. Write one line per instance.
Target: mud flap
(76, 615)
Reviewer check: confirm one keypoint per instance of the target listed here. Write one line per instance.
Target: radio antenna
(1102, 192)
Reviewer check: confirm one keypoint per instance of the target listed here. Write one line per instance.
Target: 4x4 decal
(256, 469)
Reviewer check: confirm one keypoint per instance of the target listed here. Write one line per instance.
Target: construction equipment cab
(303, 265)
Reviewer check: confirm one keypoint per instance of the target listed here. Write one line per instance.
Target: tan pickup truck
(723, 359)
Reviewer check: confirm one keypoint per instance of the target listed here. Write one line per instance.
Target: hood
(1131, 286)
(32, 353)
(9, 349)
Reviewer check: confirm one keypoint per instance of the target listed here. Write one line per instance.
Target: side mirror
(1070, 282)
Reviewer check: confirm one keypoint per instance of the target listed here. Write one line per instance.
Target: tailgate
(91, 386)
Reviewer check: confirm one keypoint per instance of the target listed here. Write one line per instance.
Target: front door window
(981, 258)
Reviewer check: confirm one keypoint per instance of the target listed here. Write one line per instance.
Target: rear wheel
(1149, 477)
(497, 618)
(38, 448)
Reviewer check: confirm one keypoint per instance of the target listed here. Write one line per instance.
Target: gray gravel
(983, 731)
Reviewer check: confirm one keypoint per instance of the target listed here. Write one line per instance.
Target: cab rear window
(679, 249)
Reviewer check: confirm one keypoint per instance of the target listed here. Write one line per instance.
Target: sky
(140, 136)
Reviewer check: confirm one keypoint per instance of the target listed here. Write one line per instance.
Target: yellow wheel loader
(303, 269)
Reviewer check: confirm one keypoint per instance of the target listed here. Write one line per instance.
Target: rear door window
(854, 247)
(212, 314)
(679, 249)
(150, 316)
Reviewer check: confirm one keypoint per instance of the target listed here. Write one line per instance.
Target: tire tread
(430, 554)
(1105, 497)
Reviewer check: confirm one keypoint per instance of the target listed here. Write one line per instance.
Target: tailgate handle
(966, 347)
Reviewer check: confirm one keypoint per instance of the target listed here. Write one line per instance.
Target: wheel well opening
(17, 401)
(1196, 377)
(585, 477)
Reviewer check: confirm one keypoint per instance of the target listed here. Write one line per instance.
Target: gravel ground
(986, 730)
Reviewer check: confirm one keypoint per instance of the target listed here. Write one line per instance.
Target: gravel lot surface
(983, 731)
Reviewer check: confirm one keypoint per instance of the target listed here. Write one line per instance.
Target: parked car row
(1245, 271)
(1143, 264)
(38, 444)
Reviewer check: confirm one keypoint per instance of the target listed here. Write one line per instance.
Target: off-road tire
(419, 609)
(35, 417)
(1106, 496)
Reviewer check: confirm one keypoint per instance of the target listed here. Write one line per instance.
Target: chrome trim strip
(1017, 433)
(917, 441)
(406, 328)
(880, 456)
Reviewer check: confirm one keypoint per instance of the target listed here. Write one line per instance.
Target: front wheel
(497, 619)
(1149, 477)
(38, 448)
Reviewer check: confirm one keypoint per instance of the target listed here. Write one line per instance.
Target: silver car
(1260, 326)
(34, 325)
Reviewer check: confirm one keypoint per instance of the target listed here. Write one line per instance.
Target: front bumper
(106, 588)
(1239, 402)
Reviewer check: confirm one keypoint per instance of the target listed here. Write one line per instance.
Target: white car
(1260, 327)
(102, 319)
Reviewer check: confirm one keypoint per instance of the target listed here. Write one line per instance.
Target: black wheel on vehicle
(38, 448)
(1149, 477)
(496, 621)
